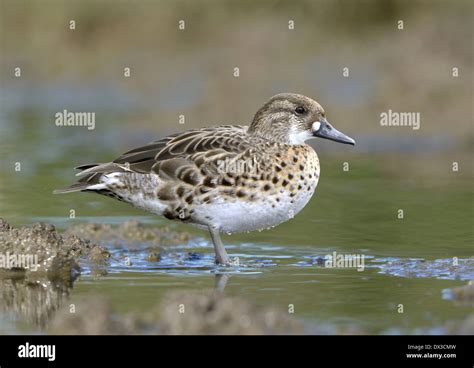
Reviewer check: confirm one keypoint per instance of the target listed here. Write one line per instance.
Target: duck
(226, 178)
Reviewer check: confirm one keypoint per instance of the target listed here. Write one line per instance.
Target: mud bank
(39, 251)
(133, 238)
(128, 233)
(38, 266)
(207, 312)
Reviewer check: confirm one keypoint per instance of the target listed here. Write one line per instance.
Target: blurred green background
(190, 72)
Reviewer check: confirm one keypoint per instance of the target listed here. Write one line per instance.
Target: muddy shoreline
(39, 295)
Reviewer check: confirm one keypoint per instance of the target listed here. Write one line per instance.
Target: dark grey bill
(327, 131)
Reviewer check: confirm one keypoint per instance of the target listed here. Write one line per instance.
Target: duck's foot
(228, 262)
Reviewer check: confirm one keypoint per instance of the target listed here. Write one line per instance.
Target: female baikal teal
(228, 178)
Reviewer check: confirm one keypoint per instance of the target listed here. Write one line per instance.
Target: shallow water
(296, 275)
(329, 300)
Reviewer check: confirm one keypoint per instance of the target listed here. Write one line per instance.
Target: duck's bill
(323, 129)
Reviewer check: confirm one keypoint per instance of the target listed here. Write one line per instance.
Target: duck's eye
(300, 110)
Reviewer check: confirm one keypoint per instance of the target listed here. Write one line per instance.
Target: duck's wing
(189, 145)
(185, 156)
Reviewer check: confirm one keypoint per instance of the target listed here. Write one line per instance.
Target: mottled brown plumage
(225, 178)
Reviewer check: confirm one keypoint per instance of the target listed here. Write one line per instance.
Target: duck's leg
(221, 254)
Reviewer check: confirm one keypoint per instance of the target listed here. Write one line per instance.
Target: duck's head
(292, 118)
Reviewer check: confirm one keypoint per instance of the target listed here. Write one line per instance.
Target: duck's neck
(292, 139)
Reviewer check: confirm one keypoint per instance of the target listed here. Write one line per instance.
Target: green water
(353, 212)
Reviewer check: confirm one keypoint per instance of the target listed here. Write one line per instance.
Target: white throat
(299, 137)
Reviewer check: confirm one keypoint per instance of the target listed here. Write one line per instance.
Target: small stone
(153, 257)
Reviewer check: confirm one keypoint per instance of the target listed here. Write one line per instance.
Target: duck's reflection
(220, 281)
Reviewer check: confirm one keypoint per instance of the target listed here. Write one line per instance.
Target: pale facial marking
(316, 125)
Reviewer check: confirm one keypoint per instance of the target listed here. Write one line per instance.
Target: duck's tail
(76, 187)
(90, 177)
